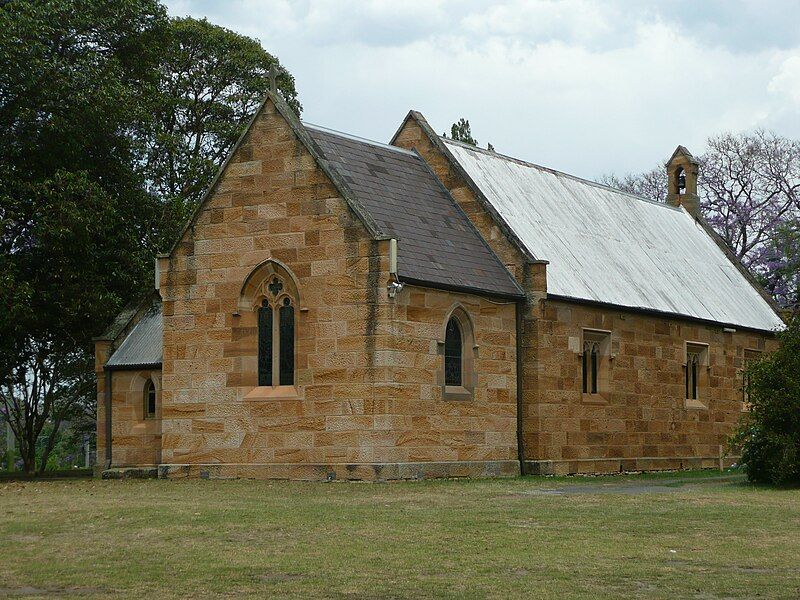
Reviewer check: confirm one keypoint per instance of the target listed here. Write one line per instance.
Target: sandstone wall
(420, 423)
(136, 440)
(271, 203)
(642, 420)
(363, 398)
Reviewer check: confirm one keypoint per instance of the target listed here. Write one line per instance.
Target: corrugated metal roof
(607, 246)
(143, 344)
(436, 242)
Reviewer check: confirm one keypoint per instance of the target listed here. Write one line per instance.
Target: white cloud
(582, 86)
(579, 20)
(786, 81)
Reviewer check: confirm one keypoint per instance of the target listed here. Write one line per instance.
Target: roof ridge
(356, 138)
(556, 172)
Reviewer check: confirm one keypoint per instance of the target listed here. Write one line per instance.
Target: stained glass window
(453, 353)
(149, 399)
(286, 343)
(265, 344)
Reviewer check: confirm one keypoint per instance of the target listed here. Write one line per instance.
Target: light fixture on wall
(393, 288)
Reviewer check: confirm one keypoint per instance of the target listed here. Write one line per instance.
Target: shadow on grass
(48, 475)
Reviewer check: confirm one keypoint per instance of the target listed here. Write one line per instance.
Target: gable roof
(607, 246)
(437, 243)
(297, 128)
(143, 346)
(452, 255)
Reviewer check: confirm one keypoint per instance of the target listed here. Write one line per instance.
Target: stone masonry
(368, 400)
(642, 422)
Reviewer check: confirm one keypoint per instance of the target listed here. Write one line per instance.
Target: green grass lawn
(549, 538)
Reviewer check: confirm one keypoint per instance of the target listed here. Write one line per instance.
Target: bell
(682, 181)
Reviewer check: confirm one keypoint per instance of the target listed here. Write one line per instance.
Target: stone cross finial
(274, 72)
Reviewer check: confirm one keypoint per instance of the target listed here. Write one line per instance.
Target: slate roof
(605, 245)
(143, 346)
(436, 242)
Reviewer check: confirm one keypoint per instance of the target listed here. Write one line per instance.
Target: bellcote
(682, 169)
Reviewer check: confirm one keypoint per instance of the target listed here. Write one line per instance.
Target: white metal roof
(608, 246)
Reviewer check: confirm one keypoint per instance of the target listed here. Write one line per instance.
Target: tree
(75, 238)
(770, 433)
(461, 132)
(209, 82)
(113, 120)
(650, 184)
(749, 188)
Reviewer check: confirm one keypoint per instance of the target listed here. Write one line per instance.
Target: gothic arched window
(150, 396)
(459, 352)
(276, 326)
(680, 176)
(453, 354)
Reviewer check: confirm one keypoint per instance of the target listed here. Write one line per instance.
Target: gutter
(519, 306)
(132, 367)
(460, 288)
(107, 399)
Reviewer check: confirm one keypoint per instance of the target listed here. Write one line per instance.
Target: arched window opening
(149, 399)
(276, 332)
(286, 343)
(459, 351)
(453, 354)
(265, 344)
(696, 374)
(680, 176)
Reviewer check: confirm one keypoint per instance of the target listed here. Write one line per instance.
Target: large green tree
(72, 203)
(209, 81)
(113, 120)
(770, 432)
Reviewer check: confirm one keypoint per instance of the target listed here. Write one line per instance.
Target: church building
(339, 308)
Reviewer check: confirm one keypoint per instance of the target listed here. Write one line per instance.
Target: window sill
(694, 404)
(593, 399)
(268, 392)
(456, 392)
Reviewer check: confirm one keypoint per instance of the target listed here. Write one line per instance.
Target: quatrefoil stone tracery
(276, 286)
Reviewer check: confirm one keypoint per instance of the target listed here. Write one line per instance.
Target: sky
(583, 86)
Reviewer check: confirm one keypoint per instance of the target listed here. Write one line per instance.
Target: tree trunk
(28, 453)
(51, 441)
